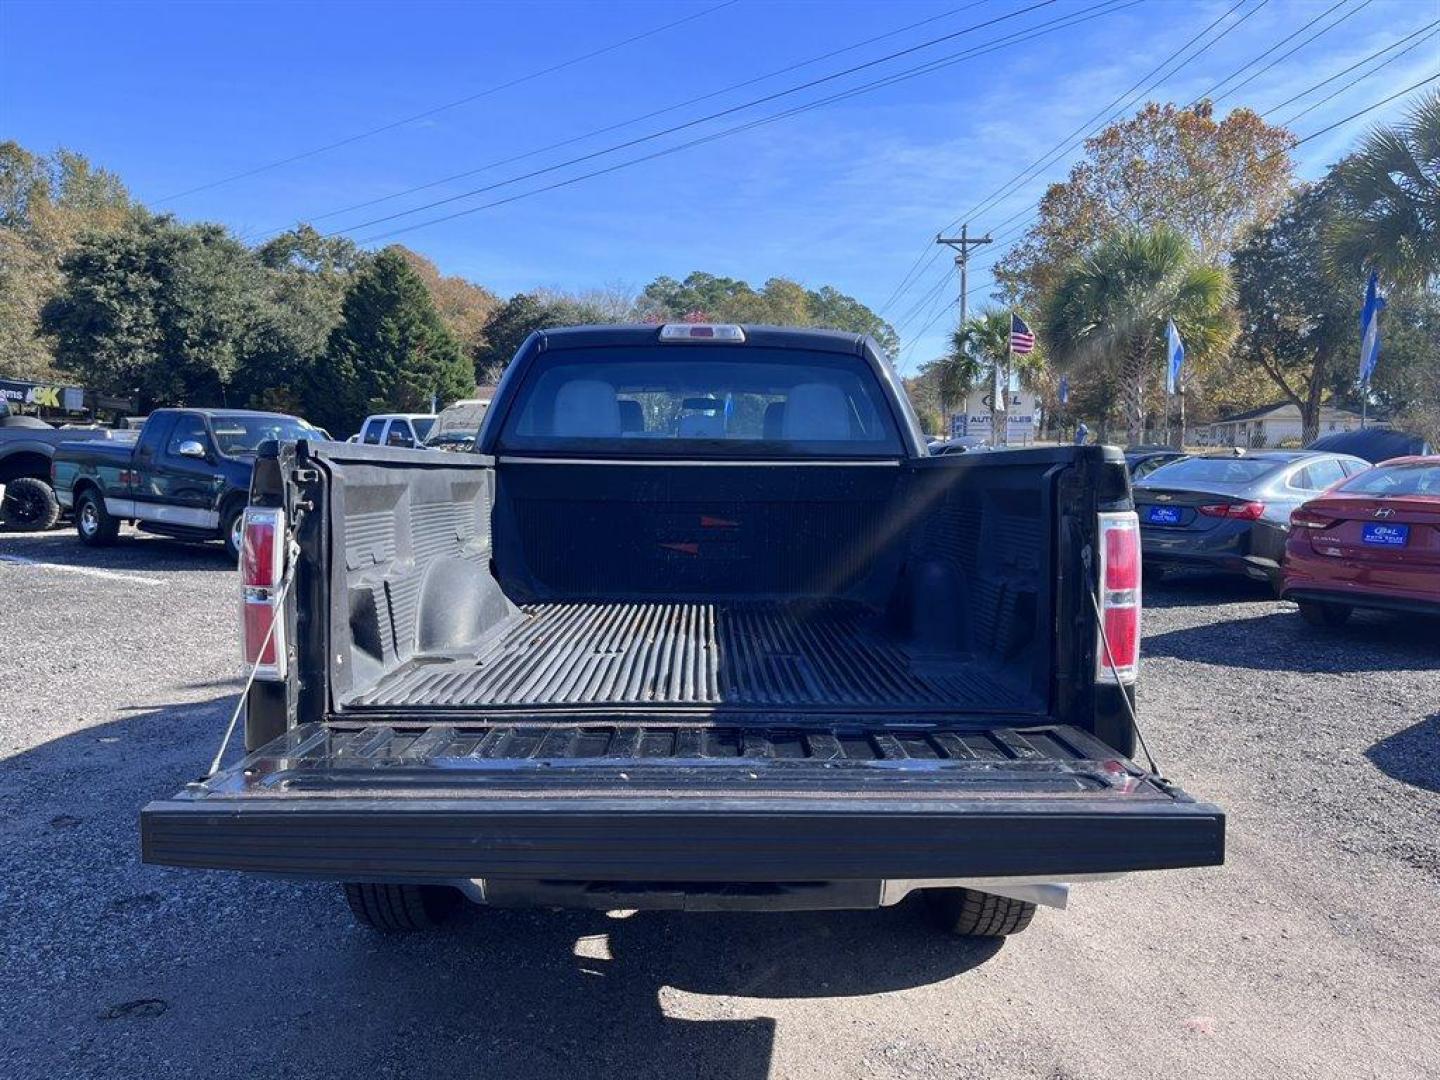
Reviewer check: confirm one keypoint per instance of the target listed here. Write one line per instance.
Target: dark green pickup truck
(187, 476)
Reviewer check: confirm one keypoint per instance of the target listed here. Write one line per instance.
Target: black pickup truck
(701, 625)
(186, 476)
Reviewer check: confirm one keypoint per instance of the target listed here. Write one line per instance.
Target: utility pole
(961, 245)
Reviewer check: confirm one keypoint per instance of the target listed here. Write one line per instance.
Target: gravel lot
(1314, 952)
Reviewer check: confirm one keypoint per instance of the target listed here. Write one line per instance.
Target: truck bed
(747, 655)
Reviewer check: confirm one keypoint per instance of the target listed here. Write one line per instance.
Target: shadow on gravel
(132, 552)
(1189, 589)
(134, 970)
(1411, 756)
(1282, 641)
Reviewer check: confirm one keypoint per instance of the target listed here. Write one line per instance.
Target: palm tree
(1109, 311)
(976, 350)
(1390, 201)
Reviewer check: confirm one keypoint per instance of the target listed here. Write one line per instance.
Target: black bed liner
(756, 654)
(618, 802)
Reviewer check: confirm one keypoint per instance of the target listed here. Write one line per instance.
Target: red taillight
(259, 568)
(257, 626)
(1246, 511)
(1309, 519)
(1117, 652)
(262, 564)
(1122, 558)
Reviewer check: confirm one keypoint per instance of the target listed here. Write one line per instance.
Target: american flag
(1022, 338)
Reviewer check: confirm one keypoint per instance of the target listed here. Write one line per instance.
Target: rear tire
(93, 524)
(395, 909)
(1322, 613)
(968, 913)
(30, 505)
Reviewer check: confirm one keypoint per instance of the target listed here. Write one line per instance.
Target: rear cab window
(710, 401)
(372, 432)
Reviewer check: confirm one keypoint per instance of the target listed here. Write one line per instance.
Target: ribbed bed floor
(683, 654)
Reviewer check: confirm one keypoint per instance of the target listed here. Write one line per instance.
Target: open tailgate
(625, 802)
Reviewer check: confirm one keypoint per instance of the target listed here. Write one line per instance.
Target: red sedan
(1372, 541)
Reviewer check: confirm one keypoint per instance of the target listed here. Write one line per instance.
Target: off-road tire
(93, 524)
(30, 505)
(968, 913)
(1322, 613)
(400, 908)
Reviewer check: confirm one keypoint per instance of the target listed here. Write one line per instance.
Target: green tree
(46, 204)
(1406, 384)
(977, 350)
(1106, 317)
(702, 297)
(157, 306)
(1389, 189)
(830, 309)
(304, 277)
(1296, 325)
(781, 302)
(520, 316)
(391, 350)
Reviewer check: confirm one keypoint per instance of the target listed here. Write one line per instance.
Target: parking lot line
(88, 571)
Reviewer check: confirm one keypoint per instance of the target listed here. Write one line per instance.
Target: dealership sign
(43, 395)
(976, 420)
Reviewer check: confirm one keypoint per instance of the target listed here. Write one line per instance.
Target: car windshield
(1203, 470)
(238, 435)
(1419, 478)
(731, 400)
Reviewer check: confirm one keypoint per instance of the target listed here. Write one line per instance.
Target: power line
(302, 155)
(702, 119)
(641, 118)
(1118, 105)
(1345, 16)
(1360, 78)
(1124, 101)
(1257, 59)
(1105, 7)
(1358, 63)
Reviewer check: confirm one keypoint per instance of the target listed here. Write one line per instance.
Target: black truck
(701, 625)
(186, 476)
(27, 449)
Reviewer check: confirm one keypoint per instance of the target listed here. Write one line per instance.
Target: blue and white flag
(1174, 358)
(1370, 328)
(1064, 390)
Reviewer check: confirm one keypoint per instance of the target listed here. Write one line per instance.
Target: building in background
(1274, 425)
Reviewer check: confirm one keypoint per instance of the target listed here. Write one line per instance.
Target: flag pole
(1005, 384)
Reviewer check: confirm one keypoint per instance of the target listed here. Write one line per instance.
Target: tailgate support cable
(1124, 694)
(292, 559)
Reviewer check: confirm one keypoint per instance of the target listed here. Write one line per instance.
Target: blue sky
(175, 96)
